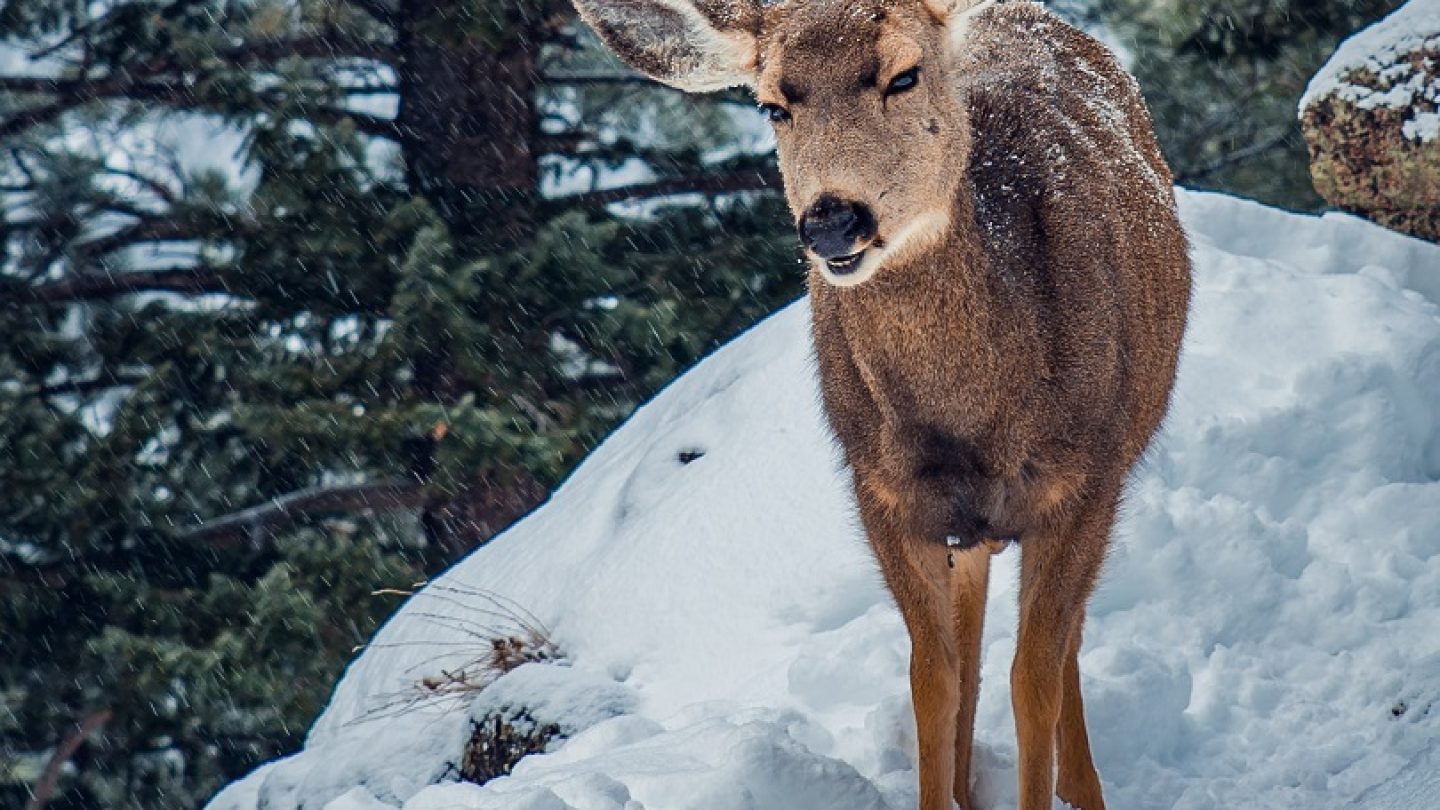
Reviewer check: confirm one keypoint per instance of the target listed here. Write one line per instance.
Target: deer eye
(775, 113)
(904, 81)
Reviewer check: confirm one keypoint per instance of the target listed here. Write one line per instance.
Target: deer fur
(998, 352)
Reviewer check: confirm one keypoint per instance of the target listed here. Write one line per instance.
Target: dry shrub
(504, 654)
(500, 740)
(506, 634)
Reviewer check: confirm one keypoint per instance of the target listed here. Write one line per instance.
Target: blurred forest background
(303, 299)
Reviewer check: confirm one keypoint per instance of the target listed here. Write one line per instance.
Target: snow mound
(1264, 636)
(1386, 65)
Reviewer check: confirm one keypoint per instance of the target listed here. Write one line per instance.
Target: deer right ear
(944, 10)
(695, 45)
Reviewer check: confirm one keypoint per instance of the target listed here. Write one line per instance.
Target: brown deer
(998, 287)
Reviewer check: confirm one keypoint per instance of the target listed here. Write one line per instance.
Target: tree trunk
(468, 123)
(467, 120)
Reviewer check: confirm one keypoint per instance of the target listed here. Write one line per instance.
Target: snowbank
(1265, 636)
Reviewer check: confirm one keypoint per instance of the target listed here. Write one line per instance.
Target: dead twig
(45, 786)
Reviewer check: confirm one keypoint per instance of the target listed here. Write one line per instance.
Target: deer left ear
(695, 45)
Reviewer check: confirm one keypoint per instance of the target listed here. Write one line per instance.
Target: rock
(1371, 118)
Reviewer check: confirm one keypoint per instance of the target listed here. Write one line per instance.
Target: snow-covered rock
(1265, 636)
(1382, 50)
(1371, 117)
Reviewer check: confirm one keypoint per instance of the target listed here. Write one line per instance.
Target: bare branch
(368, 124)
(184, 97)
(1235, 158)
(288, 509)
(370, 89)
(45, 786)
(192, 281)
(179, 97)
(377, 9)
(323, 46)
(254, 525)
(333, 46)
(751, 180)
(156, 187)
(33, 116)
(36, 84)
(82, 388)
(156, 82)
(578, 77)
(732, 97)
(162, 229)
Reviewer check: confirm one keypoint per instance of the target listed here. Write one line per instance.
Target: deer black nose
(834, 228)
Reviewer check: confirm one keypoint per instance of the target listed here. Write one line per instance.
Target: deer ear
(695, 45)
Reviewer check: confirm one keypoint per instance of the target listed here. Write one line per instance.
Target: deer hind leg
(969, 581)
(1057, 574)
(1077, 783)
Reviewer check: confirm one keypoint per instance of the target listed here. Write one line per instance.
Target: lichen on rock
(1371, 118)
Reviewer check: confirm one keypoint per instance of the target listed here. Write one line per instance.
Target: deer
(998, 283)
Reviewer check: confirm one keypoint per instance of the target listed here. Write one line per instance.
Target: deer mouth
(845, 265)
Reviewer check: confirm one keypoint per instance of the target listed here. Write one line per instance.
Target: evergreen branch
(751, 180)
(377, 9)
(44, 788)
(295, 506)
(189, 280)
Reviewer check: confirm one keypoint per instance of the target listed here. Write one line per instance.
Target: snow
(1264, 636)
(1423, 127)
(1383, 52)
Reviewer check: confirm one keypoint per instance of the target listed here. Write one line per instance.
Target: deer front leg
(1057, 574)
(918, 575)
(935, 691)
(969, 581)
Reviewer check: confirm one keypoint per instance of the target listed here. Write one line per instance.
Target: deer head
(872, 135)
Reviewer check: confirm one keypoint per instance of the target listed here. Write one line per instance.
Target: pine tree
(1223, 77)
(235, 401)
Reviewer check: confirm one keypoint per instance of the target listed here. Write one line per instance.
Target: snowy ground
(1265, 636)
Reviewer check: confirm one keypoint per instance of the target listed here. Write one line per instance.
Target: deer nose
(834, 228)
